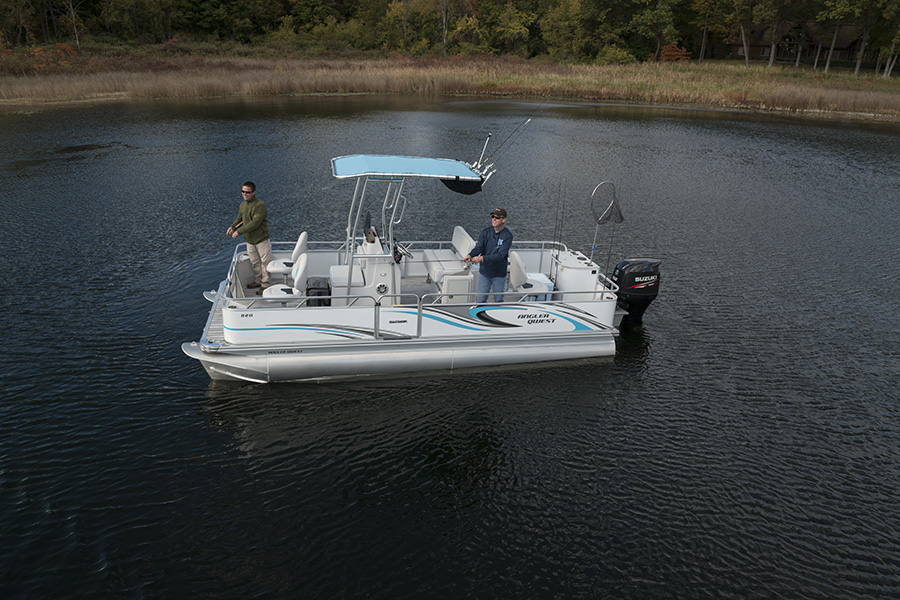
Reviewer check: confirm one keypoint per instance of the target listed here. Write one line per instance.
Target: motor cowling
(638, 281)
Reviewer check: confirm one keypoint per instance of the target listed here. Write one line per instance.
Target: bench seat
(448, 261)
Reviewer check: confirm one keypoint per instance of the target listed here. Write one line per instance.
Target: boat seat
(284, 267)
(448, 261)
(299, 287)
(339, 277)
(536, 286)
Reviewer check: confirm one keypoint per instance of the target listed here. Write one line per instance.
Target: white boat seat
(299, 287)
(338, 275)
(448, 261)
(284, 267)
(535, 285)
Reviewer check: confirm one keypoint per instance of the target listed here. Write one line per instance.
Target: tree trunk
(703, 42)
(445, 23)
(776, 39)
(70, 6)
(862, 50)
(746, 45)
(831, 50)
(818, 52)
(891, 59)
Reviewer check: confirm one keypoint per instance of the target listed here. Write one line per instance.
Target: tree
(836, 12)
(742, 10)
(892, 56)
(71, 8)
(656, 21)
(17, 21)
(394, 26)
(563, 30)
(468, 36)
(714, 19)
(512, 29)
(869, 12)
(774, 13)
(892, 14)
(310, 13)
(704, 7)
(444, 9)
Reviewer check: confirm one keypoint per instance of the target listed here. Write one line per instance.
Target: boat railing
(298, 301)
(608, 283)
(406, 300)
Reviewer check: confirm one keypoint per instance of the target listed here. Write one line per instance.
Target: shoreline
(727, 85)
(26, 106)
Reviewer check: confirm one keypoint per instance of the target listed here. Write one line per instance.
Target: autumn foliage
(672, 53)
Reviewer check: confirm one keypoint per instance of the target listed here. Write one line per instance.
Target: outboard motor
(638, 281)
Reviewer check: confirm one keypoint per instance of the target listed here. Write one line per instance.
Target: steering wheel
(399, 249)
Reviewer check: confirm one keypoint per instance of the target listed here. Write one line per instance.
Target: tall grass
(174, 74)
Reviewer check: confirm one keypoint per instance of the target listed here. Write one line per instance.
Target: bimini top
(379, 165)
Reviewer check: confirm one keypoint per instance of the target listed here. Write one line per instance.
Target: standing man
(254, 226)
(492, 252)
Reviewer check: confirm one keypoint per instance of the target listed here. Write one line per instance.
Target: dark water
(745, 444)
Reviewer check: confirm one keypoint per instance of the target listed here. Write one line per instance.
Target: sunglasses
(246, 191)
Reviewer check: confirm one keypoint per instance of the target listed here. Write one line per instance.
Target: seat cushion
(338, 276)
(440, 263)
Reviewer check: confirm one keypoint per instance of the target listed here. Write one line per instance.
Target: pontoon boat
(371, 306)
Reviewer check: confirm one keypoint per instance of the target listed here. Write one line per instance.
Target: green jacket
(255, 228)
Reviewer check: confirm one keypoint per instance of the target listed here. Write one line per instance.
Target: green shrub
(613, 55)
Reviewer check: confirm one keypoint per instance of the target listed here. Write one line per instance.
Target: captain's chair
(284, 267)
(299, 287)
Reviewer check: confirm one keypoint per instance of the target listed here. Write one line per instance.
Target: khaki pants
(260, 256)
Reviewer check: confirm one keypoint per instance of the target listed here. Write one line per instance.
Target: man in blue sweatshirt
(491, 251)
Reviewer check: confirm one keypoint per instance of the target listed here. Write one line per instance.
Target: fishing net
(604, 204)
(605, 208)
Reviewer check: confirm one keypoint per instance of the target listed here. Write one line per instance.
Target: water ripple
(744, 443)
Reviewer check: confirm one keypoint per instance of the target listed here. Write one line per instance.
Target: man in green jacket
(254, 226)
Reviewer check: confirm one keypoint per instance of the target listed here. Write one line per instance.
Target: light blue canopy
(379, 165)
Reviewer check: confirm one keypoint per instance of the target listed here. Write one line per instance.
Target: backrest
(367, 247)
(462, 241)
(517, 275)
(299, 272)
(299, 248)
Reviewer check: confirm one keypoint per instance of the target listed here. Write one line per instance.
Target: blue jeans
(486, 283)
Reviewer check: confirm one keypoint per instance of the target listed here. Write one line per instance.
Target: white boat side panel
(317, 324)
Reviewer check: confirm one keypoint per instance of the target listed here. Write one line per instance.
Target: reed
(724, 84)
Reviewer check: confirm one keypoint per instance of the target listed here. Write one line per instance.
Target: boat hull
(376, 358)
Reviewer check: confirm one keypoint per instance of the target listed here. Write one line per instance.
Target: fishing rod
(218, 240)
(510, 140)
(486, 170)
(560, 216)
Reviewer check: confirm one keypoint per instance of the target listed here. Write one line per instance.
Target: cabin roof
(380, 165)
